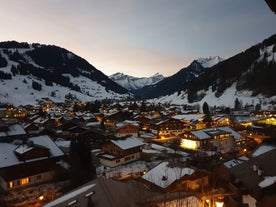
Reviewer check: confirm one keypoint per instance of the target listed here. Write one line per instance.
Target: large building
(221, 139)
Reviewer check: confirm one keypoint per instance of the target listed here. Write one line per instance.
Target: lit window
(10, 184)
(24, 181)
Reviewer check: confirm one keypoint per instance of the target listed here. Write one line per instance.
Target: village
(136, 154)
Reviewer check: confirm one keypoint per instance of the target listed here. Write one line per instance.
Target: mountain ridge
(48, 69)
(133, 83)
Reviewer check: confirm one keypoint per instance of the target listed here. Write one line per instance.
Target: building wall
(224, 145)
(121, 160)
(31, 180)
(128, 130)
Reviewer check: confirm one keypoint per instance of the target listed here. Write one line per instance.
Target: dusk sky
(139, 37)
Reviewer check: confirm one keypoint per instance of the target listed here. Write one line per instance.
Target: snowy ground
(136, 169)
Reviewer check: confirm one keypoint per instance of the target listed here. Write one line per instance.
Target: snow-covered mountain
(173, 83)
(30, 72)
(133, 83)
(249, 76)
(210, 61)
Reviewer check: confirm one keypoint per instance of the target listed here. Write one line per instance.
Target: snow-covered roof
(268, 181)
(262, 149)
(70, 195)
(234, 162)
(23, 148)
(127, 122)
(163, 175)
(201, 134)
(208, 132)
(188, 117)
(14, 130)
(235, 134)
(9, 158)
(128, 143)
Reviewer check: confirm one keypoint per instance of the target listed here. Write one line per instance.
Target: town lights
(219, 203)
(41, 198)
(188, 144)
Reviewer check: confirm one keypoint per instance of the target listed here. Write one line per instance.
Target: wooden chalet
(32, 162)
(166, 127)
(169, 177)
(121, 151)
(127, 128)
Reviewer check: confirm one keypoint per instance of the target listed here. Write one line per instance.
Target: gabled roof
(13, 130)
(9, 158)
(208, 133)
(164, 175)
(128, 143)
(127, 122)
(249, 176)
(188, 117)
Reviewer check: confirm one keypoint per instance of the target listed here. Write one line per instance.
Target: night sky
(139, 37)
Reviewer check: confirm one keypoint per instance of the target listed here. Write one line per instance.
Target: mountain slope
(249, 76)
(253, 70)
(178, 81)
(53, 72)
(133, 83)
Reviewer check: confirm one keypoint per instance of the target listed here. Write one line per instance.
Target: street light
(40, 198)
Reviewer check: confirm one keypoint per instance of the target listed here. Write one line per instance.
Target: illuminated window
(188, 144)
(24, 181)
(10, 184)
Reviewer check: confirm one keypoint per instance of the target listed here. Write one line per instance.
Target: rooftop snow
(128, 143)
(262, 149)
(23, 148)
(268, 181)
(14, 130)
(70, 195)
(234, 162)
(171, 174)
(9, 158)
(206, 133)
(188, 116)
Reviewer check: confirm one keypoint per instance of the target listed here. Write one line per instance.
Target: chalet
(169, 177)
(220, 120)
(127, 128)
(122, 151)
(222, 139)
(114, 117)
(165, 127)
(191, 121)
(252, 179)
(32, 162)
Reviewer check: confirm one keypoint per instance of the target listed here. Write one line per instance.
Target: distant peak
(210, 61)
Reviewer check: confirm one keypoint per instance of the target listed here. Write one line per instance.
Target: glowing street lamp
(40, 198)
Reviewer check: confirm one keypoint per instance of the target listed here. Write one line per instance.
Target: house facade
(29, 162)
(119, 152)
(165, 127)
(127, 128)
(221, 139)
